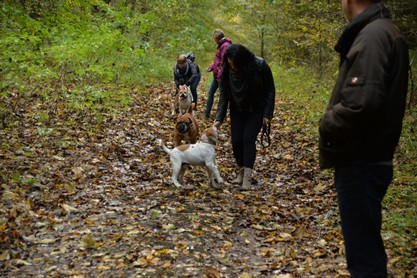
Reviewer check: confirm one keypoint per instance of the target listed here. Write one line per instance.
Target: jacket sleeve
(220, 54)
(176, 78)
(193, 69)
(269, 86)
(358, 97)
(223, 104)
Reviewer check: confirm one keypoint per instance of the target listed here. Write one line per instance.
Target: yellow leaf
(284, 237)
(167, 264)
(5, 256)
(198, 232)
(212, 273)
(288, 156)
(47, 240)
(319, 188)
(89, 241)
(258, 227)
(300, 232)
(141, 262)
(8, 195)
(104, 267)
(22, 262)
(240, 196)
(162, 252)
(68, 208)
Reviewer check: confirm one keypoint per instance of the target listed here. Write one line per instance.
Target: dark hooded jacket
(363, 121)
(249, 92)
(187, 75)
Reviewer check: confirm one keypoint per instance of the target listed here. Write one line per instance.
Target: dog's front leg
(215, 172)
(212, 182)
(175, 107)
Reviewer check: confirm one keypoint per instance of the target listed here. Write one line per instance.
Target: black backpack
(190, 57)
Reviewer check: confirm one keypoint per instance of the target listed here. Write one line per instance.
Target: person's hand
(266, 121)
(217, 124)
(209, 69)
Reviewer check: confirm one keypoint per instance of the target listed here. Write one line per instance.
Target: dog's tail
(168, 151)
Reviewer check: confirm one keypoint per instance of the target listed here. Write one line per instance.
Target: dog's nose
(182, 128)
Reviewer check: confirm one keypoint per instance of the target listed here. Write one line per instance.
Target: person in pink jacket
(217, 67)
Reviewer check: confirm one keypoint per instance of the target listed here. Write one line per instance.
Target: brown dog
(186, 128)
(183, 100)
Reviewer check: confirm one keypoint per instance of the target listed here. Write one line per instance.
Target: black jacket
(363, 120)
(260, 96)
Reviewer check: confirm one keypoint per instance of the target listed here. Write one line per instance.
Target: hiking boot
(247, 179)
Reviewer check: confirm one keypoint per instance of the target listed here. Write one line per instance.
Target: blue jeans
(210, 96)
(360, 191)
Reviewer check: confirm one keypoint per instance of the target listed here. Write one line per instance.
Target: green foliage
(301, 88)
(404, 13)
(80, 51)
(297, 33)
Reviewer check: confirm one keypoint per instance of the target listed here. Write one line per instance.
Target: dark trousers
(245, 128)
(193, 87)
(360, 190)
(210, 96)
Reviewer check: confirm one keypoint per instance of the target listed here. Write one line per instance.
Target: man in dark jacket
(217, 67)
(187, 72)
(361, 128)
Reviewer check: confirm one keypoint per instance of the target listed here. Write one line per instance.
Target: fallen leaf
(68, 208)
(5, 256)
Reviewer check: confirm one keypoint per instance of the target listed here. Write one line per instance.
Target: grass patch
(305, 94)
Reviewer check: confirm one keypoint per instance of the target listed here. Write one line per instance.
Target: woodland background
(85, 92)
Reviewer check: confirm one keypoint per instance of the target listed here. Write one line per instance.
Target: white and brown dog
(183, 100)
(186, 128)
(202, 153)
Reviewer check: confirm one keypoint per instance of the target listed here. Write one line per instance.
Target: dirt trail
(99, 203)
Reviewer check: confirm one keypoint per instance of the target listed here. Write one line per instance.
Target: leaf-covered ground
(81, 200)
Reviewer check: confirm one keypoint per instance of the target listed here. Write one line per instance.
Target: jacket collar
(223, 40)
(373, 12)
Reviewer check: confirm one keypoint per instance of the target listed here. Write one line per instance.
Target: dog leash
(266, 131)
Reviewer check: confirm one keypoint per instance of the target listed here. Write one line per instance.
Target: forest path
(98, 202)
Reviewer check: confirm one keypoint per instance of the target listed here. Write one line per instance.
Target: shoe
(247, 179)
(239, 177)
